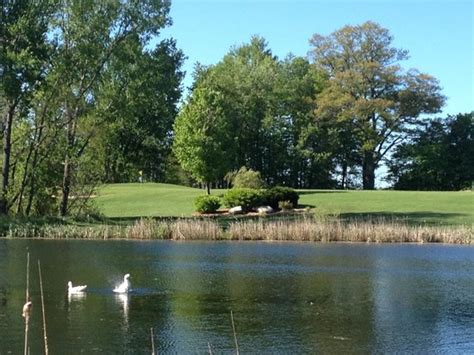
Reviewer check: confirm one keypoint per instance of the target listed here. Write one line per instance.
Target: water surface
(285, 297)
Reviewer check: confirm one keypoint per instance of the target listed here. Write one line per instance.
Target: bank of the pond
(300, 229)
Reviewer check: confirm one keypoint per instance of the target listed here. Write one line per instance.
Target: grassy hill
(140, 200)
(146, 200)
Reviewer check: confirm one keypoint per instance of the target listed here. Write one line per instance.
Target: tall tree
(308, 148)
(203, 137)
(368, 94)
(247, 78)
(268, 108)
(24, 51)
(88, 34)
(139, 104)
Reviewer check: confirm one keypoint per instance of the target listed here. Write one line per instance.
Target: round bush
(247, 198)
(276, 194)
(248, 178)
(207, 203)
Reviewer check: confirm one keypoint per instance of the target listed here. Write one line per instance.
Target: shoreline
(302, 229)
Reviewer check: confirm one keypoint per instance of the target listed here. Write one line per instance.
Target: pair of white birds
(124, 287)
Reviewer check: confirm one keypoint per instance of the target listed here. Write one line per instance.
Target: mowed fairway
(146, 200)
(420, 207)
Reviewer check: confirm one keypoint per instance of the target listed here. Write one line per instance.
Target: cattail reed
(282, 229)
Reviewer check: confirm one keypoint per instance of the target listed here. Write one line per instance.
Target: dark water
(286, 297)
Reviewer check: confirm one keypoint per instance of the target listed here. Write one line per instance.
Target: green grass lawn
(430, 207)
(147, 200)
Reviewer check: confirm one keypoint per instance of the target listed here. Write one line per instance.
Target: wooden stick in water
(235, 335)
(26, 315)
(42, 308)
(27, 277)
(152, 341)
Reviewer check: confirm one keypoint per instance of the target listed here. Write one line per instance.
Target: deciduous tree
(203, 141)
(368, 95)
(439, 157)
(89, 33)
(24, 50)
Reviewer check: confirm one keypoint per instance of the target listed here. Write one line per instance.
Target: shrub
(207, 204)
(246, 178)
(247, 198)
(285, 205)
(276, 194)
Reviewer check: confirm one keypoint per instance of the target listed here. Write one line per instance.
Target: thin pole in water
(26, 315)
(235, 335)
(42, 308)
(152, 341)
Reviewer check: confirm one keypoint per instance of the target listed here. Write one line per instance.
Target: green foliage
(87, 97)
(202, 141)
(277, 194)
(285, 205)
(368, 99)
(138, 105)
(174, 173)
(267, 105)
(439, 157)
(207, 204)
(247, 178)
(246, 198)
(24, 58)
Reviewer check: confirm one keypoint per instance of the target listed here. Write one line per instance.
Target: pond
(284, 297)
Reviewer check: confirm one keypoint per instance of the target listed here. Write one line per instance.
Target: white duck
(124, 287)
(75, 289)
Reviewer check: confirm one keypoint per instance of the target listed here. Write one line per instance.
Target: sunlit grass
(156, 200)
(424, 207)
(145, 200)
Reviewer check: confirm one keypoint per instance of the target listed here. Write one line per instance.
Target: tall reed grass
(301, 229)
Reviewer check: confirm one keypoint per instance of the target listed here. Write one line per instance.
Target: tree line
(89, 94)
(326, 121)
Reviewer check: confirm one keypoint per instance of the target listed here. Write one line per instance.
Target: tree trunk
(67, 173)
(24, 180)
(7, 138)
(208, 188)
(65, 187)
(368, 171)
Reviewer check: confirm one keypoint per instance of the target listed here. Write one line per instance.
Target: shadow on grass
(413, 218)
(223, 219)
(132, 219)
(315, 192)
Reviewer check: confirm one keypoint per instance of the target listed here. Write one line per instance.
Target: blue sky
(437, 34)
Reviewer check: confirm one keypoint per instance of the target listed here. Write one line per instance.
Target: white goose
(124, 287)
(75, 289)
